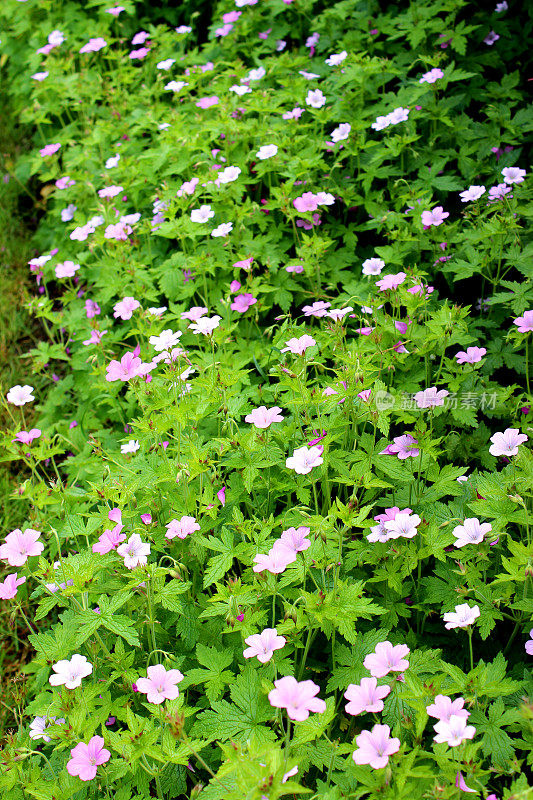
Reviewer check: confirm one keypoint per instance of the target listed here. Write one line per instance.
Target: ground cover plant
(278, 469)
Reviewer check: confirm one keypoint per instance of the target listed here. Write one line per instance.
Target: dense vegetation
(272, 449)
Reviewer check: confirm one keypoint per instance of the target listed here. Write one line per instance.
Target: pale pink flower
(111, 538)
(263, 417)
(228, 174)
(373, 266)
(70, 673)
(472, 531)
(85, 758)
(404, 525)
(20, 395)
(49, 149)
(367, 696)
(224, 229)
(130, 447)
(125, 308)
(398, 115)
(433, 75)
(110, 191)
(462, 617)
(95, 337)
(194, 313)
(27, 437)
(336, 58)
(529, 644)
(430, 398)
(434, 217)
(304, 459)
(461, 784)
(507, 443)
(339, 313)
(513, 175)
(160, 685)
(307, 202)
(66, 270)
(315, 98)
(391, 281)
(294, 770)
(499, 191)
(129, 366)
(453, 731)
(525, 323)
(295, 539)
(134, 551)
(403, 446)
(205, 325)
(8, 588)
(115, 10)
(40, 76)
(245, 264)
(181, 527)
(140, 37)
(276, 560)
(298, 346)
(443, 707)
(118, 231)
(18, 546)
(207, 102)
(92, 309)
(491, 37)
(374, 747)
(188, 187)
(471, 194)
(93, 45)
(386, 658)
(267, 151)
(262, 645)
(341, 133)
(472, 355)
(318, 309)
(299, 698)
(166, 340)
(40, 724)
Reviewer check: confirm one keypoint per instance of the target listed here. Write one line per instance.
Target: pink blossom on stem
(525, 323)
(181, 527)
(387, 658)
(434, 217)
(27, 437)
(86, 758)
(298, 346)
(443, 707)
(298, 698)
(304, 459)
(263, 417)
(262, 645)
(430, 398)
(8, 588)
(295, 539)
(453, 731)
(367, 696)
(18, 546)
(160, 685)
(70, 672)
(473, 355)
(507, 443)
(472, 531)
(134, 551)
(374, 747)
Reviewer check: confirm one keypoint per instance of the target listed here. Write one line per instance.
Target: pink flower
(115, 10)
(221, 494)
(374, 747)
(40, 76)
(307, 202)
(430, 398)
(460, 784)
(140, 53)
(472, 355)
(27, 437)
(434, 217)
(119, 231)
(453, 731)
(277, 560)
(297, 697)
(8, 589)
(134, 552)
(391, 281)
(295, 539)
(18, 546)
(403, 447)
(140, 37)
(66, 270)
(294, 770)
(243, 302)
(87, 757)
(263, 417)
(129, 366)
(49, 149)
(244, 264)
(443, 707)
(367, 696)
(262, 645)
(40, 724)
(499, 191)
(207, 102)
(160, 685)
(529, 644)
(70, 673)
(462, 617)
(491, 37)
(297, 268)
(525, 323)
(387, 658)
(146, 519)
(298, 346)
(93, 45)
(507, 443)
(64, 183)
(373, 266)
(95, 338)
(20, 395)
(315, 98)
(125, 308)
(304, 459)
(471, 532)
(111, 538)
(267, 151)
(181, 527)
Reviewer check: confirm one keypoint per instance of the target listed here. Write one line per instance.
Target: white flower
(513, 174)
(70, 673)
(304, 459)
(165, 340)
(202, 214)
(20, 395)
(336, 58)
(112, 162)
(254, 75)
(381, 122)
(398, 115)
(240, 90)
(134, 551)
(453, 731)
(205, 325)
(223, 229)
(342, 132)
(267, 151)
(315, 98)
(166, 64)
(40, 724)
(373, 266)
(229, 174)
(461, 617)
(471, 194)
(130, 447)
(472, 531)
(175, 86)
(68, 213)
